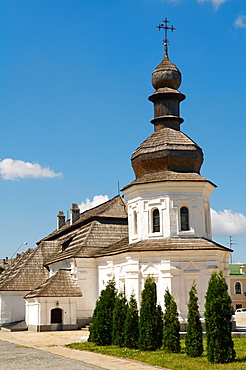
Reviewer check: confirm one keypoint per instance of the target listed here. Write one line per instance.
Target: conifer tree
(102, 320)
(220, 346)
(171, 339)
(148, 317)
(193, 337)
(159, 321)
(131, 324)
(119, 317)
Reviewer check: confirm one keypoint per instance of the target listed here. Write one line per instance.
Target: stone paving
(53, 342)
(14, 356)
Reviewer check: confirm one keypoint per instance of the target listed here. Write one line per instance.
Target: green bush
(148, 317)
(131, 324)
(193, 337)
(102, 321)
(159, 321)
(119, 317)
(171, 326)
(220, 347)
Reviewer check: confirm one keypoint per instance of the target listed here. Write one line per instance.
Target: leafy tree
(159, 321)
(148, 317)
(220, 346)
(171, 339)
(102, 320)
(193, 337)
(131, 324)
(119, 317)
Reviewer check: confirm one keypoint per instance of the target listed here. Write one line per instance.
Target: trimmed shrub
(148, 317)
(159, 321)
(220, 346)
(131, 324)
(193, 337)
(119, 317)
(171, 327)
(102, 321)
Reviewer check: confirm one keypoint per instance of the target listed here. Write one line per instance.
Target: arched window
(135, 222)
(56, 316)
(184, 217)
(238, 288)
(156, 221)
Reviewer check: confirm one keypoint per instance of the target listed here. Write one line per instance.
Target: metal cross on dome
(164, 26)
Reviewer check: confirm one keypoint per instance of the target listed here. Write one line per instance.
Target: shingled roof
(89, 239)
(163, 139)
(168, 176)
(171, 244)
(60, 284)
(115, 208)
(27, 270)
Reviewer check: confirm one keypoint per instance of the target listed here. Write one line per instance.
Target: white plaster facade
(174, 270)
(38, 312)
(168, 198)
(12, 306)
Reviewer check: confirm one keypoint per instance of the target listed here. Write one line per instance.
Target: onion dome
(166, 79)
(166, 74)
(167, 153)
(166, 150)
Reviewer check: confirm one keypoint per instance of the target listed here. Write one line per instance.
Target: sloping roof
(115, 208)
(163, 139)
(89, 239)
(171, 244)
(168, 176)
(27, 270)
(236, 268)
(60, 284)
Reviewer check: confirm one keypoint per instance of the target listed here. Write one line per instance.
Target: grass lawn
(169, 360)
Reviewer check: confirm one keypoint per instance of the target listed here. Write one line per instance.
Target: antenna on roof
(118, 188)
(231, 244)
(25, 243)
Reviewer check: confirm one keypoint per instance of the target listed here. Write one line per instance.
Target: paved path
(13, 356)
(53, 342)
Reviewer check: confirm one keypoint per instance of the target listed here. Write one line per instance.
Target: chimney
(60, 220)
(74, 213)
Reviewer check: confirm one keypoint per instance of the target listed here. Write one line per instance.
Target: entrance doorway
(56, 316)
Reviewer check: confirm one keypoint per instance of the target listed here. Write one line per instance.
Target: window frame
(236, 291)
(135, 223)
(156, 226)
(184, 224)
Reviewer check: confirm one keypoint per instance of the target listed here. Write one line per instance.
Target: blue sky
(74, 81)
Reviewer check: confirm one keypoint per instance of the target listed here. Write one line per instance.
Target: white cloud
(216, 3)
(98, 199)
(14, 169)
(240, 22)
(226, 223)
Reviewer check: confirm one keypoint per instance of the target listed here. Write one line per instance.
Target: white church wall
(32, 312)
(86, 274)
(38, 311)
(62, 265)
(12, 306)
(175, 270)
(168, 198)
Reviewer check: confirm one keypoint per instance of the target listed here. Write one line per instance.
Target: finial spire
(164, 26)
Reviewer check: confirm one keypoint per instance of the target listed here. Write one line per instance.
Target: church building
(161, 227)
